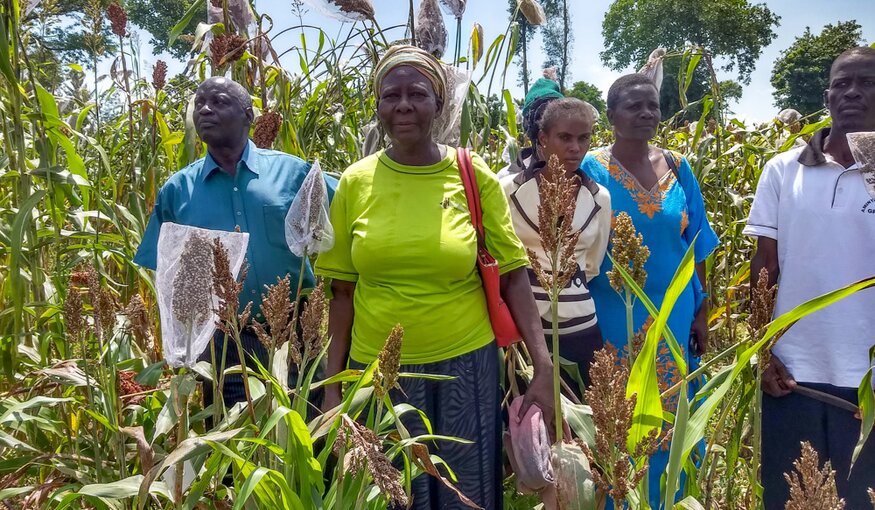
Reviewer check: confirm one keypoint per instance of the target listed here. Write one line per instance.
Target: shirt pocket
(274, 224)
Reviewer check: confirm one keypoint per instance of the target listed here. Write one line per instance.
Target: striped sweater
(592, 217)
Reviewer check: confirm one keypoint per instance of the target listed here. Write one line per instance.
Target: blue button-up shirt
(256, 199)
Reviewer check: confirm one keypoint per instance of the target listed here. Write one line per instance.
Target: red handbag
(503, 326)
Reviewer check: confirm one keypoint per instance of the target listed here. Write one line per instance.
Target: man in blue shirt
(235, 185)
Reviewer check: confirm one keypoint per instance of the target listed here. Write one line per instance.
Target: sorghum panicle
(266, 129)
(763, 303)
(74, 318)
(227, 289)
(118, 18)
(628, 251)
(139, 322)
(191, 299)
(811, 486)
(386, 376)
(555, 213)
(225, 48)
(367, 451)
(159, 75)
(313, 322)
(276, 307)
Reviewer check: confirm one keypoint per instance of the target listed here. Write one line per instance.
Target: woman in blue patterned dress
(658, 190)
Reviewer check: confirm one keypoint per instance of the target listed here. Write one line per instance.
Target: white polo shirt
(824, 221)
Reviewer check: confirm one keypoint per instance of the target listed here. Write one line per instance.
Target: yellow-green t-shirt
(404, 235)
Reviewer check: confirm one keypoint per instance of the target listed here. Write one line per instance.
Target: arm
(699, 329)
(517, 293)
(340, 316)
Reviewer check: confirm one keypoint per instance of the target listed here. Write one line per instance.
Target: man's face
(851, 93)
(219, 115)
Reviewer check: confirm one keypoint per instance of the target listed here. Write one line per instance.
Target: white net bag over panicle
(308, 229)
(863, 149)
(184, 283)
(343, 10)
(446, 129)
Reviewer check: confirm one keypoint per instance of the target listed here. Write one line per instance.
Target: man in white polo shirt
(814, 220)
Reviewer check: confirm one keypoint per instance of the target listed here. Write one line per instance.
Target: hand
(332, 397)
(540, 392)
(699, 331)
(777, 381)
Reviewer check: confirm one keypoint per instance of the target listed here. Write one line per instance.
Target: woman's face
(407, 106)
(568, 139)
(637, 114)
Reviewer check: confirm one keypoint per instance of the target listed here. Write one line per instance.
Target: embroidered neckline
(649, 201)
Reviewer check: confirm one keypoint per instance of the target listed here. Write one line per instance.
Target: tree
(589, 93)
(527, 32)
(801, 73)
(735, 30)
(159, 17)
(557, 39)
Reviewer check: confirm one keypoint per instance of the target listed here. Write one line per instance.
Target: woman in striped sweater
(564, 130)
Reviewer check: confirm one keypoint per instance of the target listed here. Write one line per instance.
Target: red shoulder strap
(472, 193)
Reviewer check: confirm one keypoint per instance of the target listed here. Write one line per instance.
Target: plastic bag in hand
(308, 229)
(862, 146)
(184, 283)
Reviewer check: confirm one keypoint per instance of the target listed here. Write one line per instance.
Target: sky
(756, 103)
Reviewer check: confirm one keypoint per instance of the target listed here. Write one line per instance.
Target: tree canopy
(557, 38)
(734, 30)
(590, 93)
(801, 73)
(158, 18)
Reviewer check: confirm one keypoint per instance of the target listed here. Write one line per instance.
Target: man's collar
(812, 154)
(249, 158)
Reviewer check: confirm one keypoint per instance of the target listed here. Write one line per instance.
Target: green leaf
(701, 417)
(511, 114)
(186, 19)
(866, 399)
(643, 380)
(248, 486)
(670, 339)
(125, 488)
(675, 455)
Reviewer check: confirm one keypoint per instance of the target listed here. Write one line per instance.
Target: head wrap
(421, 60)
(542, 92)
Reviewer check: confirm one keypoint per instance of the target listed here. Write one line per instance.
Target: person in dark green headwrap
(540, 95)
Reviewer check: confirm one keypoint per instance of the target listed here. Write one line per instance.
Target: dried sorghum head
(119, 19)
(628, 251)
(389, 363)
(191, 300)
(811, 486)
(266, 128)
(226, 48)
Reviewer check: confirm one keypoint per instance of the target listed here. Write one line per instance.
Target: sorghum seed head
(159, 75)
(119, 19)
(266, 128)
(386, 376)
(191, 301)
(811, 486)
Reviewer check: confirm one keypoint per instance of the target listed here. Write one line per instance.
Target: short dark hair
(862, 51)
(626, 82)
(564, 108)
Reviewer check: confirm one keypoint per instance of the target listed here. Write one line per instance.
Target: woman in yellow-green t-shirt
(404, 253)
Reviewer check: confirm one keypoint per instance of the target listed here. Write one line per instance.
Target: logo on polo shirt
(869, 206)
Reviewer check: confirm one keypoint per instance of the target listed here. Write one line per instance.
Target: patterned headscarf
(422, 61)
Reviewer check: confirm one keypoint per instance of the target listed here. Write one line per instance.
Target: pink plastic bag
(528, 448)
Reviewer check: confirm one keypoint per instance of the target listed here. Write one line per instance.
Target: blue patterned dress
(668, 216)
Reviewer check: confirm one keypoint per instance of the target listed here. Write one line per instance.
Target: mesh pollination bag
(862, 146)
(308, 229)
(184, 284)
